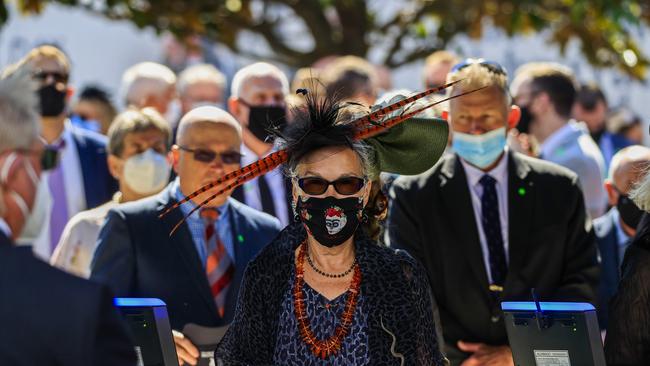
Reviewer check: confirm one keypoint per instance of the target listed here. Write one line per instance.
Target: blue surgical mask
(480, 150)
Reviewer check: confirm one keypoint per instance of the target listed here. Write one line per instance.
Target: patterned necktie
(219, 266)
(56, 184)
(492, 229)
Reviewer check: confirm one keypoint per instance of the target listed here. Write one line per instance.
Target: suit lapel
(184, 244)
(457, 205)
(242, 257)
(521, 194)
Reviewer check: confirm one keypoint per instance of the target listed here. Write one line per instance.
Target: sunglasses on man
(208, 156)
(58, 77)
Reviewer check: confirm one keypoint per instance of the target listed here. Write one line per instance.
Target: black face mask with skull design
(330, 220)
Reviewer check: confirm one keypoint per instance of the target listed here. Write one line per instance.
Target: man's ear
(513, 116)
(612, 193)
(173, 156)
(115, 166)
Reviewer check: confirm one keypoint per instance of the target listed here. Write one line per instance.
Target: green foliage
(603, 27)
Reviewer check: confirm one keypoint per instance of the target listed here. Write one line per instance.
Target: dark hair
(95, 93)
(560, 89)
(589, 95)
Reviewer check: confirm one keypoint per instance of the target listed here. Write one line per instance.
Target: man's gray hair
(133, 121)
(257, 70)
(201, 73)
(19, 114)
(146, 79)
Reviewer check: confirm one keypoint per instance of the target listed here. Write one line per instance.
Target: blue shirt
(196, 226)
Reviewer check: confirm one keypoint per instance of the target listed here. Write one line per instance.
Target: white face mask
(4, 177)
(146, 173)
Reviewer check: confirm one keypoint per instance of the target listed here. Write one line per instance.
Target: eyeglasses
(490, 65)
(208, 156)
(346, 186)
(58, 77)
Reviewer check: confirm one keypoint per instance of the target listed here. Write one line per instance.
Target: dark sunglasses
(58, 77)
(208, 156)
(316, 186)
(490, 65)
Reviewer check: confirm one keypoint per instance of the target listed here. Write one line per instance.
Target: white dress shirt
(275, 181)
(78, 242)
(572, 147)
(74, 192)
(500, 174)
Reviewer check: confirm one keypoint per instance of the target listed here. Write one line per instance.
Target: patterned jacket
(395, 289)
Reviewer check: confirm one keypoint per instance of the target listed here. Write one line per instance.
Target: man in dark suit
(198, 269)
(47, 317)
(257, 101)
(80, 180)
(490, 224)
(615, 229)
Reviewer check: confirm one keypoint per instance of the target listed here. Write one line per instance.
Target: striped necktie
(219, 266)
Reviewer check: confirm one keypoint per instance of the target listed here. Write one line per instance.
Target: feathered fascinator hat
(401, 148)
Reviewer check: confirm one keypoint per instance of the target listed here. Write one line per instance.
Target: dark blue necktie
(492, 230)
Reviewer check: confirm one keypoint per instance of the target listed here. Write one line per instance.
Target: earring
(296, 218)
(364, 217)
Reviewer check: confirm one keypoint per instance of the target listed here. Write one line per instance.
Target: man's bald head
(627, 165)
(205, 116)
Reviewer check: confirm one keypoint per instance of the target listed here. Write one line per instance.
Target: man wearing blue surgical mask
(490, 224)
(139, 141)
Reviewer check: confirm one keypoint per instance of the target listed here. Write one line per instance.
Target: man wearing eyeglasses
(197, 269)
(490, 224)
(79, 178)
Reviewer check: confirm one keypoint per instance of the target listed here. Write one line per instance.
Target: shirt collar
(499, 172)
(4, 227)
(621, 236)
(556, 138)
(190, 205)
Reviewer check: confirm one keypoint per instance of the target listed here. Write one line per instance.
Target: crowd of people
(361, 248)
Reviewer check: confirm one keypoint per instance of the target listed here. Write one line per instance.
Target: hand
(185, 350)
(523, 143)
(484, 355)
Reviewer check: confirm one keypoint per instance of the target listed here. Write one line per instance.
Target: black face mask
(630, 213)
(52, 101)
(331, 221)
(263, 118)
(524, 121)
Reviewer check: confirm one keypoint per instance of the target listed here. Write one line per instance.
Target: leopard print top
(324, 316)
(396, 298)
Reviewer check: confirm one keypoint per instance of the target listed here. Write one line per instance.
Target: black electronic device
(553, 333)
(149, 323)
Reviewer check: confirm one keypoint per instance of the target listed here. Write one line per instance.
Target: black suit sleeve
(581, 272)
(403, 223)
(113, 263)
(113, 344)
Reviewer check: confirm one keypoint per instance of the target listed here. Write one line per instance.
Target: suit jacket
(137, 257)
(99, 184)
(49, 317)
(551, 243)
(610, 259)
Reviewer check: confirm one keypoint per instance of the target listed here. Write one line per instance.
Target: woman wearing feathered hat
(324, 292)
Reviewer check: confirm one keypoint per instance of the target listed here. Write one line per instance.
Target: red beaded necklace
(330, 346)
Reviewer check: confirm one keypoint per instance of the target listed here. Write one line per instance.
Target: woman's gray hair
(19, 114)
(364, 151)
(640, 193)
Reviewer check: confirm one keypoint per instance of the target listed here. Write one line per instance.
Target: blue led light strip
(132, 302)
(547, 306)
